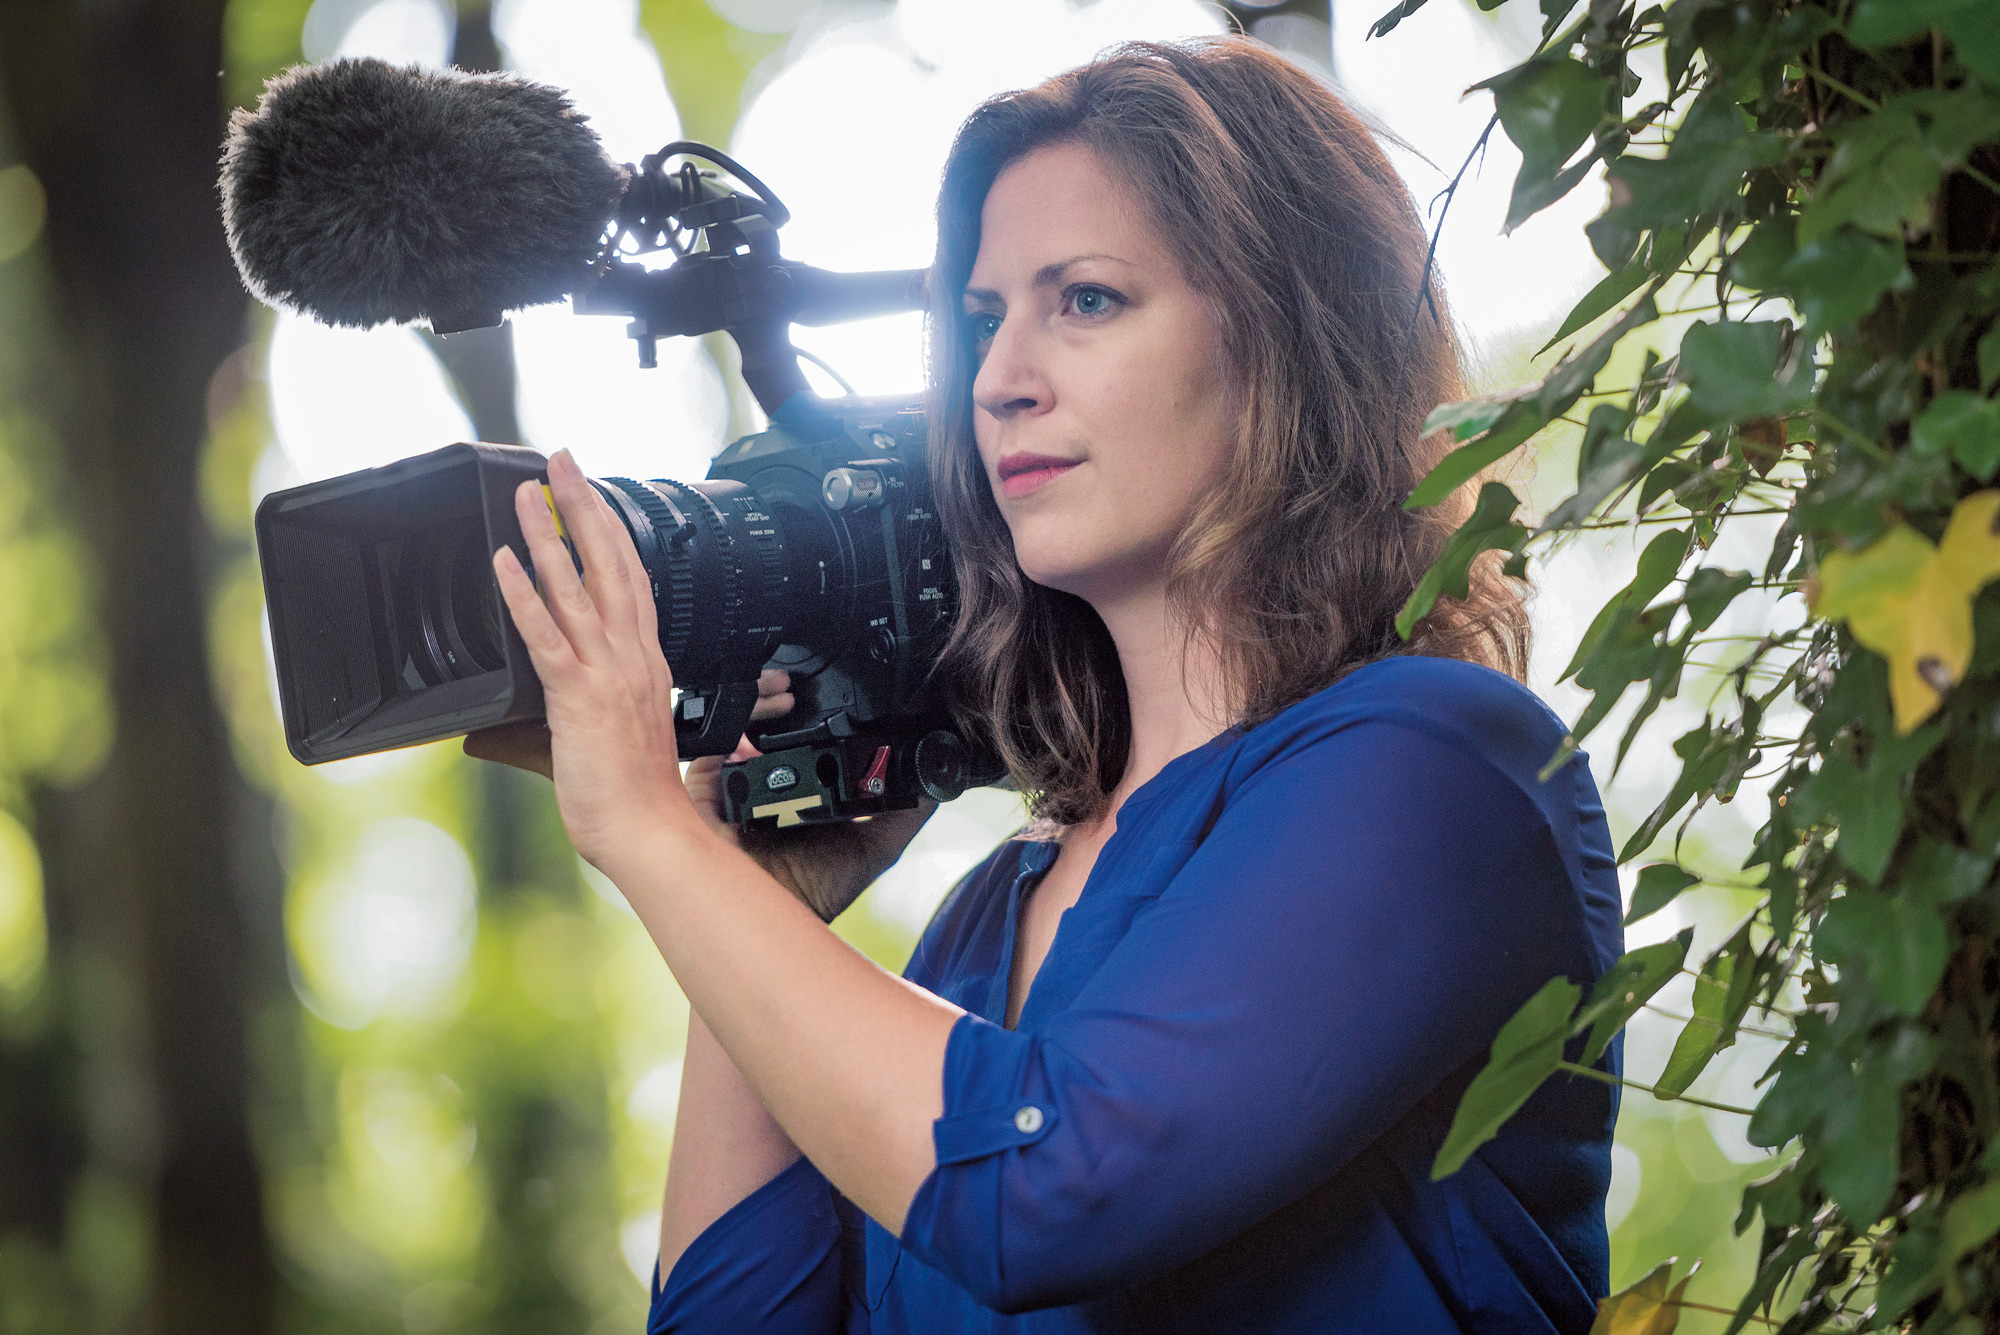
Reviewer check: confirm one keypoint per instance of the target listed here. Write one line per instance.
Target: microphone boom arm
(739, 285)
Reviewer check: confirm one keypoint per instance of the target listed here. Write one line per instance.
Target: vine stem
(1592, 1073)
(1448, 194)
(1861, 98)
(1721, 1311)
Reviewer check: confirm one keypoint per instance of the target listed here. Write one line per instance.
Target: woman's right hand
(827, 866)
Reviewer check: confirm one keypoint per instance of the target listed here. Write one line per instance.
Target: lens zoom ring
(673, 576)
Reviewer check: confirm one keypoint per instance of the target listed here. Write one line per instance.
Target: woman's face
(1100, 405)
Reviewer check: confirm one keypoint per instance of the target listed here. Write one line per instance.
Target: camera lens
(457, 630)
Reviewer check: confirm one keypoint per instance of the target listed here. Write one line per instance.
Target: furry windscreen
(361, 193)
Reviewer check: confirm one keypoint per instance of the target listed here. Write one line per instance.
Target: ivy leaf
(1659, 885)
(1649, 1307)
(1858, 1137)
(1529, 413)
(1882, 22)
(1627, 985)
(1491, 525)
(1939, 873)
(1527, 1051)
(1709, 593)
(1658, 564)
(1548, 107)
(1865, 805)
(1881, 175)
(1722, 993)
(1711, 152)
(1963, 425)
(1912, 602)
(1734, 373)
(1837, 279)
(1900, 945)
(1975, 39)
(1706, 753)
(1759, 263)
(1383, 26)
(1468, 417)
(1515, 423)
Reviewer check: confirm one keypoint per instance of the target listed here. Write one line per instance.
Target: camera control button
(851, 489)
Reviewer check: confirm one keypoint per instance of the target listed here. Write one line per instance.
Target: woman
(1180, 1056)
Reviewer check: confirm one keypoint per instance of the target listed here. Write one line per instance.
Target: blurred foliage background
(364, 1048)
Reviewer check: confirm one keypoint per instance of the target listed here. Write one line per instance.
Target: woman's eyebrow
(1046, 276)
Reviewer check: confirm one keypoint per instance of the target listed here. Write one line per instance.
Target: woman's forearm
(848, 1059)
(726, 1146)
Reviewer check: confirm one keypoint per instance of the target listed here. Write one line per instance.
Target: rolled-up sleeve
(1366, 912)
(771, 1265)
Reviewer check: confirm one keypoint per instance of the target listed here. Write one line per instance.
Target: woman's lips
(1033, 479)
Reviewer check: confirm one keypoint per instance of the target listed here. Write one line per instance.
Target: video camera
(812, 546)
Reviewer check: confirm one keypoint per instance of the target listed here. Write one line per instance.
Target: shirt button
(1028, 1120)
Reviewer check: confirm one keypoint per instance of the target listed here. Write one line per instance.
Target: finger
(562, 588)
(773, 706)
(609, 558)
(548, 648)
(773, 681)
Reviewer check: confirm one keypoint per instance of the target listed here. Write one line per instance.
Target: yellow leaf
(1647, 1308)
(1911, 602)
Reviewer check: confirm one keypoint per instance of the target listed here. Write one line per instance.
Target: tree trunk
(118, 111)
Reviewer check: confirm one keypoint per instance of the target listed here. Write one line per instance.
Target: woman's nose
(1010, 382)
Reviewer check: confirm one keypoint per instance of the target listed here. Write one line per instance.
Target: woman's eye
(1090, 300)
(983, 325)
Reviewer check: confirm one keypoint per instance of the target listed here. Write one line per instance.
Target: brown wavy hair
(1292, 224)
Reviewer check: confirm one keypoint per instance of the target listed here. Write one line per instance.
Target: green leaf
(1881, 22)
(1975, 39)
(1527, 1051)
(1468, 417)
(1383, 26)
(1864, 805)
(1706, 752)
(1699, 1037)
(1900, 946)
(1939, 873)
(1862, 1122)
(1491, 525)
(1733, 372)
(1963, 425)
(1548, 107)
(1710, 591)
(1835, 280)
(1969, 1221)
(1513, 426)
(1881, 175)
(1988, 354)
(1627, 985)
(1658, 565)
(1659, 885)
(1916, 1268)
(1712, 150)
(1760, 261)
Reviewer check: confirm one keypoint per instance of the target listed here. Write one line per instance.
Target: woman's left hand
(595, 642)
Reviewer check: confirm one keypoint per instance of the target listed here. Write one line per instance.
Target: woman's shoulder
(1469, 705)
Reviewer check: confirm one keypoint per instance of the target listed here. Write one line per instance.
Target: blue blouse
(1219, 1109)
